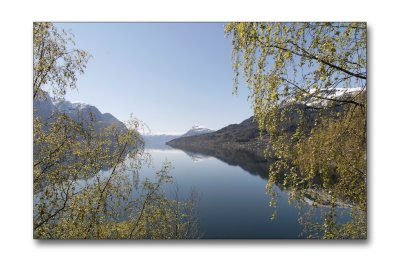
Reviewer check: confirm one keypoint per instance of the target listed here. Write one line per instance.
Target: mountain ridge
(80, 112)
(244, 136)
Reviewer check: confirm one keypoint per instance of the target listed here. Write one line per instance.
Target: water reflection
(197, 157)
(315, 218)
(252, 163)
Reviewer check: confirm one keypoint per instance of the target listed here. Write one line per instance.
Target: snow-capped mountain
(78, 111)
(323, 95)
(82, 112)
(197, 130)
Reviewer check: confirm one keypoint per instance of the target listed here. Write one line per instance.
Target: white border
(16, 127)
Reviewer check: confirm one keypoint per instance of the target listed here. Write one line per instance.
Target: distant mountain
(243, 136)
(78, 111)
(158, 141)
(197, 130)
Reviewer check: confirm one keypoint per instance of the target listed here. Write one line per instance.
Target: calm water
(232, 197)
(232, 202)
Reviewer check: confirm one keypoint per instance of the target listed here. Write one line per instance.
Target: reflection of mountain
(197, 157)
(259, 166)
(250, 162)
(321, 198)
(235, 144)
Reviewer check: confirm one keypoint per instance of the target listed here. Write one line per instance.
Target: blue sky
(169, 75)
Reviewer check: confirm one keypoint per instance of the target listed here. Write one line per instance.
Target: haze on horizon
(169, 75)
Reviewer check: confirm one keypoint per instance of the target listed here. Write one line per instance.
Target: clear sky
(169, 75)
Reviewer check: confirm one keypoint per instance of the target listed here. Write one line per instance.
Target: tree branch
(313, 57)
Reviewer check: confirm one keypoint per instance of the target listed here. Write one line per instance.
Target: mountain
(197, 130)
(244, 136)
(80, 112)
(158, 141)
(43, 107)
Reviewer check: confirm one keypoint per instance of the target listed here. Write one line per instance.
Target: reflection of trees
(332, 222)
